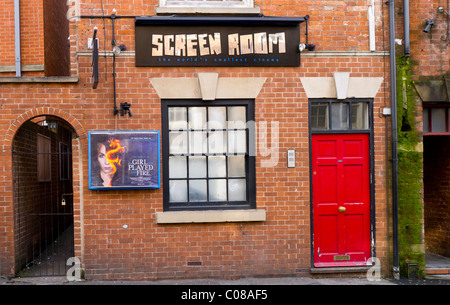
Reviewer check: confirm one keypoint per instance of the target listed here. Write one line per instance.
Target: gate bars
(43, 208)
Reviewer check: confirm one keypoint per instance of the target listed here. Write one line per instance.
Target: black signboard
(217, 42)
(124, 160)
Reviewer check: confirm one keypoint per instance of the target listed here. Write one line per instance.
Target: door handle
(341, 209)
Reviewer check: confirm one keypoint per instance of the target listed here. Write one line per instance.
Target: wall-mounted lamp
(125, 108)
(118, 49)
(427, 28)
(309, 47)
(442, 10)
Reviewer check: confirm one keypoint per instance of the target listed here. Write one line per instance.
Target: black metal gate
(43, 198)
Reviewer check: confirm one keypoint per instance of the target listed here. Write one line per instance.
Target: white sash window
(206, 3)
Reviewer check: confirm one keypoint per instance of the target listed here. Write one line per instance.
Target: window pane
(197, 167)
(197, 117)
(177, 118)
(216, 167)
(319, 116)
(217, 142)
(426, 121)
(339, 116)
(44, 158)
(236, 125)
(197, 190)
(177, 167)
(236, 166)
(237, 114)
(197, 142)
(217, 118)
(42, 174)
(360, 116)
(438, 121)
(218, 190)
(178, 142)
(237, 141)
(207, 161)
(206, 3)
(236, 190)
(178, 191)
(64, 161)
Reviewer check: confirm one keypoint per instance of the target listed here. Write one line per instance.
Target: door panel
(328, 185)
(327, 233)
(353, 227)
(341, 199)
(327, 149)
(352, 183)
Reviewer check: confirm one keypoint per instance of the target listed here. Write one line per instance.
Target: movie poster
(124, 160)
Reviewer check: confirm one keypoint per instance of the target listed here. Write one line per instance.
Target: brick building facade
(216, 213)
(422, 99)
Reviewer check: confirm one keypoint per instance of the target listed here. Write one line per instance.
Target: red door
(341, 199)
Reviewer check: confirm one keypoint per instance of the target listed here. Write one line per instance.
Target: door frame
(369, 131)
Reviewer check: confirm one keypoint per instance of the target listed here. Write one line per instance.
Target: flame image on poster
(116, 148)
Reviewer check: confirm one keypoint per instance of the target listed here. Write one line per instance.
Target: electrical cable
(104, 40)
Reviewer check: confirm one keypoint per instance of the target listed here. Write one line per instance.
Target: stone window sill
(49, 79)
(210, 216)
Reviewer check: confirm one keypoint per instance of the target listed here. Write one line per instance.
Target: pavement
(59, 280)
(276, 290)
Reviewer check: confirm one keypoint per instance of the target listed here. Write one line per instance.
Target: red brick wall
(31, 35)
(146, 250)
(429, 51)
(34, 14)
(7, 32)
(32, 32)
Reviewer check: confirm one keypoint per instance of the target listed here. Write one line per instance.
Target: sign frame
(217, 41)
(139, 171)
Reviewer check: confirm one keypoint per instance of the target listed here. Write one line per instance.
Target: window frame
(370, 131)
(349, 101)
(207, 4)
(430, 131)
(250, 202)
(44, 164)
(64, 162)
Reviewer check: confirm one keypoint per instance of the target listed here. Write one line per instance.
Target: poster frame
(125, 187)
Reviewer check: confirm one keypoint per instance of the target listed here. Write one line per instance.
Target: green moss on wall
(406, 104)
(410, 183)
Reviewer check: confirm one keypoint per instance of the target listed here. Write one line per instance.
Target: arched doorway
(43, 196)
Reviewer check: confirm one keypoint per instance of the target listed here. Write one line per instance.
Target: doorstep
(436, 264)
(339, 270)
(437, 271)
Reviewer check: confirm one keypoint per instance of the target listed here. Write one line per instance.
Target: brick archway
(76, 125)
(7, 218)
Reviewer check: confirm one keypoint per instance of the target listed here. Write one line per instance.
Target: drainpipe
(371, 15)
(406, 25)
(113, 43)
(17, 37)
(395, 268)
